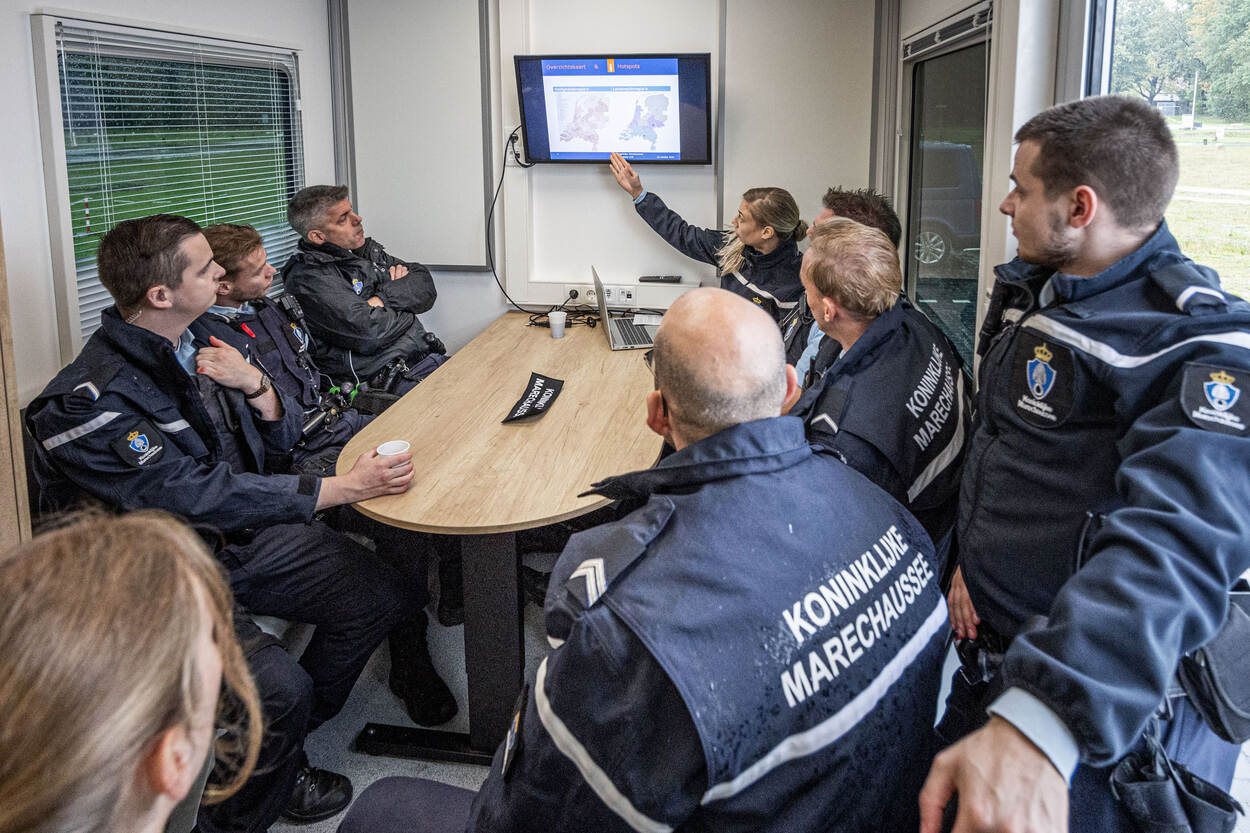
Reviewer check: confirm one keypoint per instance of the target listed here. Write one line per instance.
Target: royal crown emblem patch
(1212, 399)
(1041, 374)
(1221, 392)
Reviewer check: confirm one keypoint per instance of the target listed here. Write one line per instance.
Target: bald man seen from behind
(756, 646)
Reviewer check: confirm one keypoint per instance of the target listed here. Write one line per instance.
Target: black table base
(494, 657)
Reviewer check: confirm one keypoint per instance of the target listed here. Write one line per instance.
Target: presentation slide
(598, 106)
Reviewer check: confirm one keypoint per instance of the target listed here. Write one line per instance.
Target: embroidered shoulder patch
(1213, 398)
(141, 445)
(1042, 379)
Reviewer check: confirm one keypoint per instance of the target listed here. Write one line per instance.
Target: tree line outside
(1161, 45)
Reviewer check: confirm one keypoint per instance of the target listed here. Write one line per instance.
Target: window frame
(980, 31)
(44, 34)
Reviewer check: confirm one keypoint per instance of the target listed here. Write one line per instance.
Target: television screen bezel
(707, 85)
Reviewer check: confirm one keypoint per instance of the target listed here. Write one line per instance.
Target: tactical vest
(278, 343)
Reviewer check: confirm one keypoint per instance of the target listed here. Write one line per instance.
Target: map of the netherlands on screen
(597, 106)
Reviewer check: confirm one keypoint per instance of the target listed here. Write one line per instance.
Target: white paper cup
(556, 319)
(390, 449)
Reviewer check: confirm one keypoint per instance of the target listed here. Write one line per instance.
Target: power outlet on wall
(614, 295)
(585, 294)
(619, 296)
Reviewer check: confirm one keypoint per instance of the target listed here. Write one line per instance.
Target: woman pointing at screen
(759, 259)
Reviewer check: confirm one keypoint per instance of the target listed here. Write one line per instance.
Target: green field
(1216, 234)
(236, 176)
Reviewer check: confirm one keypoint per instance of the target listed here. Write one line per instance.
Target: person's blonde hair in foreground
(115, 642)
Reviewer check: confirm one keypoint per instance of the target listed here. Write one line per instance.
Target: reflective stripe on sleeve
(1106, 353)
(175, 426)
(948, 455)
(595, 777)
(780, 304)
(828, 731)
(80, 430)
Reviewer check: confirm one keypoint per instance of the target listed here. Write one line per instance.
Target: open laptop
(621, 331)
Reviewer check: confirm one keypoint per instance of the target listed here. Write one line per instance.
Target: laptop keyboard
(635, 335)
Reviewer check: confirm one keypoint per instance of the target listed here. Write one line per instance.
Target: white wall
(299, 23)
(915, 15)
(798, 81)
(561, 219)
(417, 109)
(798, 92)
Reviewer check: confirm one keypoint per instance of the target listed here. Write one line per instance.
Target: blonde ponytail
(768, 207)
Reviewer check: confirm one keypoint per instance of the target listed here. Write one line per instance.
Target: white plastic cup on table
(390, 449)
(556, 319)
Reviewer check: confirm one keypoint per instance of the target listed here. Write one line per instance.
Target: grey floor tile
(371, 701)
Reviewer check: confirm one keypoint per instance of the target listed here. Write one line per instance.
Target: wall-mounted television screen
(647, 108)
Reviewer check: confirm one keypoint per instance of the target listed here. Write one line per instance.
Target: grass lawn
(1216, 234)
(237, 177)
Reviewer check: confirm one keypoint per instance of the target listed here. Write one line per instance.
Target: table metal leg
(494, 654)
(494, 649)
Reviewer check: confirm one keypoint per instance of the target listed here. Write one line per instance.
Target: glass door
(947, 141)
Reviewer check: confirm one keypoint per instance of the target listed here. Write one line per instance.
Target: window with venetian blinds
(155, 122)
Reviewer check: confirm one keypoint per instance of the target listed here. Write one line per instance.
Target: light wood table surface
(475, 474)
(484, 479)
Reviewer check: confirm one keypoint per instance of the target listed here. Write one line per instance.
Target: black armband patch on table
(539, 396)
(141, 445)
(1212, 398)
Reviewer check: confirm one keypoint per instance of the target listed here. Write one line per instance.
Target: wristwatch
(262, 390)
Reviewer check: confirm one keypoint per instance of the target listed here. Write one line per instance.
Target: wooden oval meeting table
(484, 479)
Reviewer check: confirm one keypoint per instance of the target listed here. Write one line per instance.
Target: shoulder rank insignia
(141, 445)
(615, 547)
(593, 578)
(1212, 399)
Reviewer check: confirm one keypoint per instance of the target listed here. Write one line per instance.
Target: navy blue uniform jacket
(893, 407)
(757, 648)
(1111, 436)
(125, 423)
(770, 280)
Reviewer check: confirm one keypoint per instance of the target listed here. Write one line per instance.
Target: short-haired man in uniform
(272, 335)
(361, 304)
(1102, 518)
(149, 417)
(807, 348)
(893, 404)
(755, 647)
